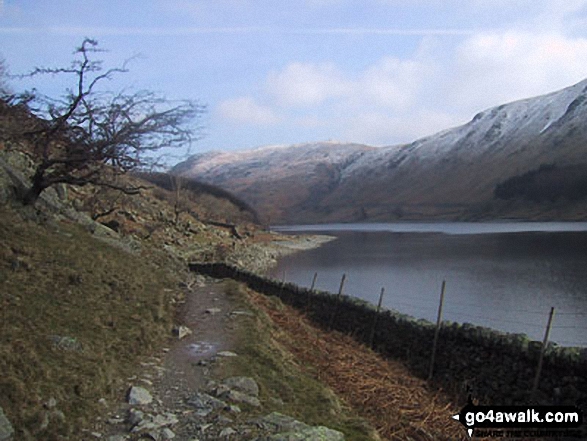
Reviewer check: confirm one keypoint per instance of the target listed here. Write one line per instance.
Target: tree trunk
(33, 193)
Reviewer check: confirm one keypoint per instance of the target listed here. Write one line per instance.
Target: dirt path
(183, 369)
(185, 392)
(209, 315)
(191, 401)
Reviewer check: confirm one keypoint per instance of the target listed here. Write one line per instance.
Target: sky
(377, 72)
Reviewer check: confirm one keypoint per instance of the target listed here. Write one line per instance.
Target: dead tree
(90, 136)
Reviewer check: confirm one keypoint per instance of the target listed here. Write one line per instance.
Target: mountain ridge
(448, 175)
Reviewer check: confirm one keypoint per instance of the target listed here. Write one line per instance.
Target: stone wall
(497, 368)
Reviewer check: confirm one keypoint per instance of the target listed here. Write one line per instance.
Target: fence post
(310, 291)
(542, 350)
(372, 336)
(313, 282)
(335, 310)
(437, 332)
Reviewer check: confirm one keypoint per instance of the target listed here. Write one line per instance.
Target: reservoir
(503, 275)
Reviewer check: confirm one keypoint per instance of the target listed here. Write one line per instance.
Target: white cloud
(493, 68)
(307, 84)
(245, 110)
(390, 82)
(440, 85)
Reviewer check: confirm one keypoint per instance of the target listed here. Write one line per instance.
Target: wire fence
(497, 365)
(461, 312)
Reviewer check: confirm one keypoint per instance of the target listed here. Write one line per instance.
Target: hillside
(449, 175)
(105, 334)
(278, 181)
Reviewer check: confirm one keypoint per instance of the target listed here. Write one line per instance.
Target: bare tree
(90, 136)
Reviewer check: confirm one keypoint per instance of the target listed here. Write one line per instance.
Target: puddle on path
(202, 348)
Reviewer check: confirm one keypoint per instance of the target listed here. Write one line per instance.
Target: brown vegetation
(398, 405)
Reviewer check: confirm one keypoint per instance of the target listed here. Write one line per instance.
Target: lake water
(505, 276)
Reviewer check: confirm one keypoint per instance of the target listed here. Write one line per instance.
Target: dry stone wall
(495, 367)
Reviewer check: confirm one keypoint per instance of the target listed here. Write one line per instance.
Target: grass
(60, 285)
(399, 405)
(285, 384)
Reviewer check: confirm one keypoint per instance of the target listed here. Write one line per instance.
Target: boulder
(139, 396)
(239, 397)
(245, 385)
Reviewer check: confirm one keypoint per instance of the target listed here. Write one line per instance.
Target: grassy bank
(286, 384)
(76, 316)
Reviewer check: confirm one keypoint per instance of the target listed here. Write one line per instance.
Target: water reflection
(507, 281)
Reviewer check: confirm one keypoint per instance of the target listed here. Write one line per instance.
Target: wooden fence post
(437, 332)
(372, 336)
(313, 282)
(335, 310)
(310, 291)
(542, 350)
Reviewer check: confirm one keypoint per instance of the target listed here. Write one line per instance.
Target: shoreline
(259, 257)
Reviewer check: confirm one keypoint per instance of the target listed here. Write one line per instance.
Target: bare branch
(78, 135)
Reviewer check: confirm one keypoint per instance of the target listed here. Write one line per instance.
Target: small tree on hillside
(89, 136)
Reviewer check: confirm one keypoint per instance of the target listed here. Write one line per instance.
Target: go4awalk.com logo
(522, 421)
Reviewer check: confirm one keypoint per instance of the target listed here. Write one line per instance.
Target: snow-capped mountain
(451, 174)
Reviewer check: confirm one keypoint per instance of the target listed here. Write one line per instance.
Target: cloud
(307, 84)
(400, 99)
(245, 110)
(390, 82)
(492, 68)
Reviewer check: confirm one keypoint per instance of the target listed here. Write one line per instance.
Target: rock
(226, 354)
(205, 404)
(286, 428)
(135, 416)
(181, 331)
(240, 397)
(226, 432)
(6, 429)
(139, 396)
(277, 422)
(116, 438)
(213, 311)
(154, 423)
(167, 434)
(232, 408)
(243, 384)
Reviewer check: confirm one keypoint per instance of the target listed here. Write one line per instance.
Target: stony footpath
(178, 394)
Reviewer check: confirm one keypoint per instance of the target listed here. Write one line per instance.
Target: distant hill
(278, 181)
(450, 175)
